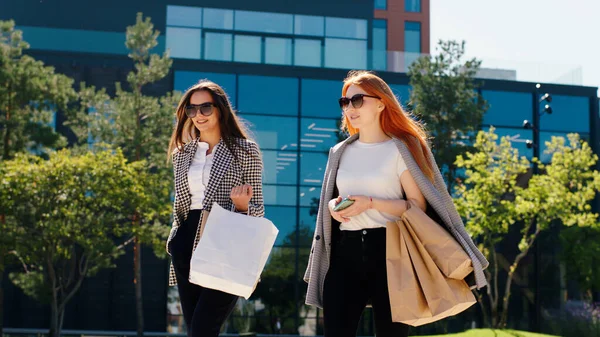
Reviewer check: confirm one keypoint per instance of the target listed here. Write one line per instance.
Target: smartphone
(345, 203)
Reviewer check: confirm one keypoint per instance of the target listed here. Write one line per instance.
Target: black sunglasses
(357, 101)
(206, 109)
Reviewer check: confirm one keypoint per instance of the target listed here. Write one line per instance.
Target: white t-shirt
(370, 169)
(199, 174)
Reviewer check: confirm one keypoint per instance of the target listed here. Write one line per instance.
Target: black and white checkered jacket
(226, 173)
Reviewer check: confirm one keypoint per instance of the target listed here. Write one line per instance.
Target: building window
(309, 25)
(319, 98)
(571, 114)
(248, 48)
(345, 53)
(217, 46)
(184, 42)
(346, 28)
(507, 109)
(412, 42)
(381, 4)
(307, 52)
(379, 44)
(268, 95)
(184, 16)
(412, 5)
(264, 22)
(278, 51)
(218, 18)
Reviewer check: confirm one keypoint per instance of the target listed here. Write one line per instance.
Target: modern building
(282, 64)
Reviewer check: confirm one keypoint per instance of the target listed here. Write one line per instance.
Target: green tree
(74, 215)
(444, 96)
(141, 126)
(492, 200)
(29, 93)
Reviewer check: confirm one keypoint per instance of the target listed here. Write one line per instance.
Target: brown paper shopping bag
(447, 254)
(419, 292)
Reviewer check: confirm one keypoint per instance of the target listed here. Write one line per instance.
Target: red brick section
(396, 16)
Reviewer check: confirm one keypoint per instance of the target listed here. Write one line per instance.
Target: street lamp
(535, 144)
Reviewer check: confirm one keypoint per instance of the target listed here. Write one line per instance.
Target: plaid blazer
(226, 172)
(439, 206)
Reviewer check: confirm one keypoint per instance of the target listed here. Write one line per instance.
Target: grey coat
(437, 198)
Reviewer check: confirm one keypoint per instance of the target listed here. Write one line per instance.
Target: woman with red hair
(385, 163)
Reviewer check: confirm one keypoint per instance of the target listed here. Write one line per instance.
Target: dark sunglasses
(357, 101)
(206, 109)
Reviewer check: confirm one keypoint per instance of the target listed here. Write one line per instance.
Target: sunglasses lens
(344, 101)
(190, 111)
(357, 101)
(206, 110)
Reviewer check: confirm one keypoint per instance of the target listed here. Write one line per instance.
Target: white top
(199, 174)
(370, 169)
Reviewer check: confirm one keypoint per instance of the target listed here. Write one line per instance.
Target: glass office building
(282, 66)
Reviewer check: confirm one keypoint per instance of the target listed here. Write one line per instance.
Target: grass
(495, 333)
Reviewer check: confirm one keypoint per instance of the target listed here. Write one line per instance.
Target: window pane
(274, 133)
(345, 54)
(280, 195)
(319, 98)
(185, 79)
(184, 16)
(519, 137)
(218, 18)
(264, 22)
(268, 95)
(412, 37)
(280, 167)
(248, 48)
(184, 42)
(278, 51)
(312, 168)
(381, 4)
(307, 53)
(346, 28)
(308, 219)
(322, 134)
(309, 196)
(402, 92)
(412, 5)
(547, 137)
(569, 113)
(309, 25)
(507, 108)
(284, 218)
(217, 46)
(380, 44)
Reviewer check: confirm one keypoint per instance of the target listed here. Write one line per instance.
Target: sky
(546, 39)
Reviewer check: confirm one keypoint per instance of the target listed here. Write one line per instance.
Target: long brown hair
(394, 120)
(230, 124)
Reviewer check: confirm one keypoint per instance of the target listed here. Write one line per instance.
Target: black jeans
(204, 310)
(357, 275)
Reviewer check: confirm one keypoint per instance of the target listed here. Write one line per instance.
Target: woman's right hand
(334, 214)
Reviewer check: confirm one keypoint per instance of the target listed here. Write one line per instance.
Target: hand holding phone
(345, 203)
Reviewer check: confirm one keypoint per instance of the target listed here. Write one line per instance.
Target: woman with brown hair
(214, 161)
(370, 177)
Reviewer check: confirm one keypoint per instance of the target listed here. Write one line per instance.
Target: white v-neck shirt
(370, 169)
(199, 174)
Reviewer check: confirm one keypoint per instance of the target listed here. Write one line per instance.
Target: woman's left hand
(361, 204)
(241, 195)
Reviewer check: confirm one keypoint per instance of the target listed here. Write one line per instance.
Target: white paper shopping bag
(232, 252)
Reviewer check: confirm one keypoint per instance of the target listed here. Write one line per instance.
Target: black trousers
(204, 310)
(357, 276)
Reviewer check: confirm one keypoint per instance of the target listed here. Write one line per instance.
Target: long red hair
(394, 120)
